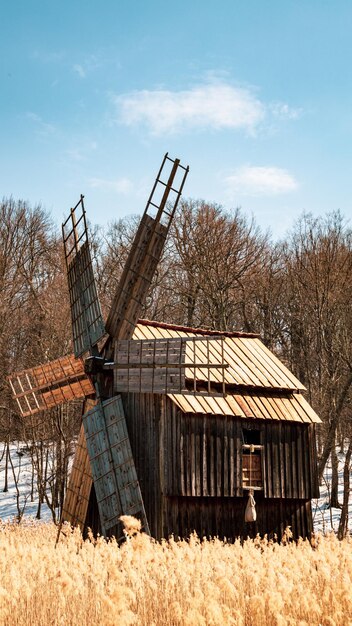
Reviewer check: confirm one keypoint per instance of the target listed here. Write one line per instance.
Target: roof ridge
(198, 331)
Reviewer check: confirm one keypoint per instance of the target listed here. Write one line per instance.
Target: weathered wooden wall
(290, 461)
(190, 470)
(224, 517)
(144, 423)
(205, 456)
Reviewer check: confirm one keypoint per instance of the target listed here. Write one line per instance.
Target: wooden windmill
(204, 416)
(103, 449)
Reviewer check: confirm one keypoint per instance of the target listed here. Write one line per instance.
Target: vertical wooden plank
(286, 427)
(208, 447)
(294, 461)
(238, 463)
(309, 518)
(262, 461)
(182, 462)
(282, 459)
(212, 443)
(164, 471)
(232, 454)
(204, 457)
(173, 465)
(198, 456)
(266, 468)
(174, 444)
(314, 488)
(276, 460)
(192, 454)
(226, 456)
(305, 461)
(300, 477)
(219, 456)
(154, 452)
(189, 455)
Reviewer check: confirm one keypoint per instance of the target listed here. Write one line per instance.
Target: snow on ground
(324, 518)
(22, 473)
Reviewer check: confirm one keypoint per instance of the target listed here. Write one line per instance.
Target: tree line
(218, 271)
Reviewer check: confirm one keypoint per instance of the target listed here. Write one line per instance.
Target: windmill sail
(167, 365)
(87, 319)
(136, 278)
(142, 366)
(146, 249)
(115, 478)
(79, 488)
(49, 385)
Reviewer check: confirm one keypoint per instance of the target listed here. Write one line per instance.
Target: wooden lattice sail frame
(86, 316)
(51, 384)
(170, 365)
(146, 249)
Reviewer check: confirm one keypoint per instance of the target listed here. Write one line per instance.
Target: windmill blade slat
(75, 390)
(146, 251)
(79, 488)
(114, 474)
(151, 366)
(163, 365)
(136, 278)
(45, 386)
(87, 320)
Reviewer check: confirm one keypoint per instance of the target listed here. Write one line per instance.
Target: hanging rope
(250, 512)
(251, 450)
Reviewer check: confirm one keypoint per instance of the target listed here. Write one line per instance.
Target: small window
(252, 453)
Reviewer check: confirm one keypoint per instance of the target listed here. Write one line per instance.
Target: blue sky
(255, 96)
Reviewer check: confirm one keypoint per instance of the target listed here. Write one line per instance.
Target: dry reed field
(194, 582)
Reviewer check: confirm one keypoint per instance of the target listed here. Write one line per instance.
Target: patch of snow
(326, 519)
(22, 472)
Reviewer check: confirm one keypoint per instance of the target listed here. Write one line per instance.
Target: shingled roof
(257, 384)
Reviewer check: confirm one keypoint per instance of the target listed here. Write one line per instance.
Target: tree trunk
(7, 454)
(334, 498)
(343, 525)
(16, 479)
(39, 479)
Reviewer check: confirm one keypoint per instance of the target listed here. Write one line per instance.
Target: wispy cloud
(42, 127)
(259, 181)
(79, 70)
(82, 151)
(122, 185)
(82, 67)
(284, 111)
(87, 65)
(46, 56)
(215, 105)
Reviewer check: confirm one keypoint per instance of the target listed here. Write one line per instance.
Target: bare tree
(214, 255)
(318, 308)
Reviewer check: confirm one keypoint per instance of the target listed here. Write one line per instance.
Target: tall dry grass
(171, 583)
